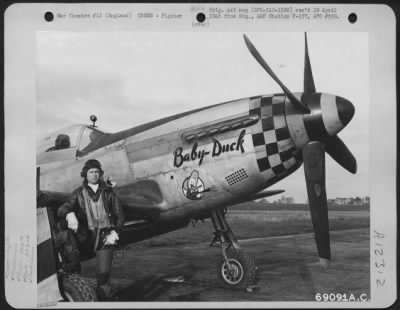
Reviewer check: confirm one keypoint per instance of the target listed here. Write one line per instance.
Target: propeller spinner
(324, 116)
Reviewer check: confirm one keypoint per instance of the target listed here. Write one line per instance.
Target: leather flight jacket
(77, 204)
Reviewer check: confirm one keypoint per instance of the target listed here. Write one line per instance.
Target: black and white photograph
(191, 165)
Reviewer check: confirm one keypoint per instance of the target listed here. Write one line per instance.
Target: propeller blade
(314, 168)
(309, 87)
(336, 148)
(296, 103)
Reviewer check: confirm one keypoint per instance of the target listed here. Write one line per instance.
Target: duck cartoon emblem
(193, 187)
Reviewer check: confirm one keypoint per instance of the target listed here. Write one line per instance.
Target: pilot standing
(96, 216)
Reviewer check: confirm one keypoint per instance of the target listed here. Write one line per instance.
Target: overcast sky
(130, 78)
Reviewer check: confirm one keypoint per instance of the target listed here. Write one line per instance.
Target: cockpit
(74, 140)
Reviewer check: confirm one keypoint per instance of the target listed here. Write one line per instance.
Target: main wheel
(75, 288)
(242, 272)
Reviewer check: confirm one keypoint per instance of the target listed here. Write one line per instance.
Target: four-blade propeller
(296, 103)
(314, 152)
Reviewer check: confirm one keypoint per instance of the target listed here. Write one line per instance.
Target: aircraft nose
(345, 110)
(329, 115)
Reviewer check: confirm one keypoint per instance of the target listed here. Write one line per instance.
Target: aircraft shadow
(150, 288)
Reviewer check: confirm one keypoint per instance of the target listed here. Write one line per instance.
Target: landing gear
(236, 268)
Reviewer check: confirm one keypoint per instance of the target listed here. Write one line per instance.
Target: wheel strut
(236, 268)
(223, 235)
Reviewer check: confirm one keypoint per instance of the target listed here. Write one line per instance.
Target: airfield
(174, 268)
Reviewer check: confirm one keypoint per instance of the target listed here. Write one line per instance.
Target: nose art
(345, 110)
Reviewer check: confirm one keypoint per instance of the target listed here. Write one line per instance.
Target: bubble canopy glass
(65, 138)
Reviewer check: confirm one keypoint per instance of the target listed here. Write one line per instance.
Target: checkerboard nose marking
(274, 146)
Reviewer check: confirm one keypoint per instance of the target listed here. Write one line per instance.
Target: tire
(244, 269)
(75, 288)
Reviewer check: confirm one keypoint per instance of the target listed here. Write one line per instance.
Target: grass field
(255, 224)
(251, 205)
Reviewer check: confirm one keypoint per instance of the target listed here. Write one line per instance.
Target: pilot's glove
(72, 221)
(111, 238)
(110, 182)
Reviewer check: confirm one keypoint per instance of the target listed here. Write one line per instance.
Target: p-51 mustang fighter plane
(196, 164)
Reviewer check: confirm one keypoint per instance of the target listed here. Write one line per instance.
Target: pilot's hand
(111, 238)
(72, 221)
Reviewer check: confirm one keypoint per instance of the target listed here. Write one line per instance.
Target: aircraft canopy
(74, 136)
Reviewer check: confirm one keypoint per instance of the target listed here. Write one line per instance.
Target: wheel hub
(233, 273)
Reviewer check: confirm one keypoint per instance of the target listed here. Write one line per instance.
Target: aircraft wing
(144, 205)
(262, 194)
(51, 199)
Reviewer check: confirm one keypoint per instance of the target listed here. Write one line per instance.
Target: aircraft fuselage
(186, 165)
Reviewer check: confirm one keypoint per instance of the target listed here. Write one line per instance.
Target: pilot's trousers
(103, 268)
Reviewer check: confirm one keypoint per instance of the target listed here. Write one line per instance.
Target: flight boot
(103, 289)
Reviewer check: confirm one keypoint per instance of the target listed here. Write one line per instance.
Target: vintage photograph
(203, 166)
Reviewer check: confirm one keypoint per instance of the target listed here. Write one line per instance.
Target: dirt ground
(288, 270)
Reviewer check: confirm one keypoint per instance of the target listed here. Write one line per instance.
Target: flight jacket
(77, 204)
